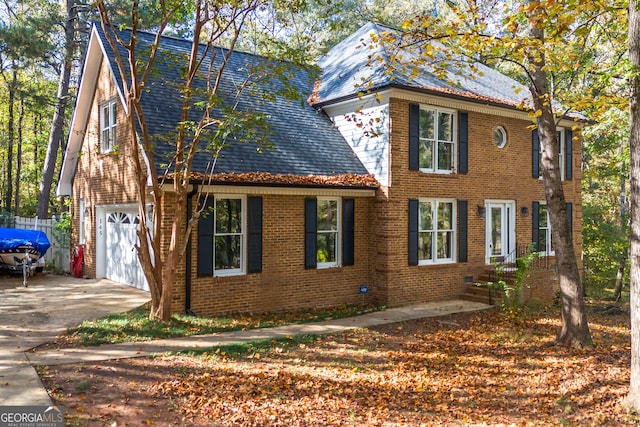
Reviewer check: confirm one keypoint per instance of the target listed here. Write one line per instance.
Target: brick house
(413, 189)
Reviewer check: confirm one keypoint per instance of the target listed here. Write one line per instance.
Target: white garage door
(122, 263)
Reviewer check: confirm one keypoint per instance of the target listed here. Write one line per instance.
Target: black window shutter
(205, 239)
(254, 234)
(348, 235)
(414, 137)
(463, 146)
(413, 232)
(310, 228)
(462, 231)
(568, 154)
(570, 217)
(535, 216)
(535, 148)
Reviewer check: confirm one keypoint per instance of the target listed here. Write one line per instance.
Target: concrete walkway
(35, 315)
(138, 349)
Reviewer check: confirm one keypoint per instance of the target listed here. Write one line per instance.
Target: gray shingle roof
(359, 63)
(305, 142)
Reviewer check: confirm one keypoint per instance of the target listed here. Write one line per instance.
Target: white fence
(57, 257)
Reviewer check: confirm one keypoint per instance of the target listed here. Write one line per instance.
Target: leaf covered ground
(467, 369)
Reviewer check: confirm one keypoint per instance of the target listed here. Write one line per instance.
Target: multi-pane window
(436, 139)
(561, 156)
(229, 236)
(328, 232)
(436, 219)
(545, 244)
(108, 126)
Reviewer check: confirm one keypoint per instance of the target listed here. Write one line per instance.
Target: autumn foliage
(467, 369)
(265, 178)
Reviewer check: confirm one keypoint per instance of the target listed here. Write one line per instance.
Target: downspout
(187, 258)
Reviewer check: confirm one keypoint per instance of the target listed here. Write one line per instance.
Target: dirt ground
(466, 369)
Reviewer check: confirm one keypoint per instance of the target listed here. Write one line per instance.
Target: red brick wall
(284, 283)
(494, 173)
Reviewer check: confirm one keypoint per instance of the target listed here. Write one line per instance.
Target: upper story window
(500, 136)
(565, 153)
(229, 236)
(561, 146)
(436, 140)
(108, 119)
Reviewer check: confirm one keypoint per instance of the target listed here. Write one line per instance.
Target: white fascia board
(80, 115)
(382, 98)
(358, 104)
(80, 118)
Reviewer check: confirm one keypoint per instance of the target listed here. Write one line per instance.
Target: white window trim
(338, 233)
(111, 128)
(434, 244)
(548, 251)
(243, 240)
(503, 133)
(561, 150)
(454, 140)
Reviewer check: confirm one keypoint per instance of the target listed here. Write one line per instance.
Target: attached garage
(116, 240)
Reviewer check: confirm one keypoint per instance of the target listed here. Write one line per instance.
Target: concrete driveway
(37, 314)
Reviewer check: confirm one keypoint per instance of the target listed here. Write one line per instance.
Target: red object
(77, 259)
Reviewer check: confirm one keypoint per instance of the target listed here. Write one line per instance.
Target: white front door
(500, 229)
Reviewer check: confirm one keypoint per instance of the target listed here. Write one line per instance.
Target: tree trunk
(575, 330)
(617, 293)
(19, 157)
(8, 197)
(57, 125)
(633, 399)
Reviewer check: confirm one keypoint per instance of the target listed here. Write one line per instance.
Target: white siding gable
(367, 132)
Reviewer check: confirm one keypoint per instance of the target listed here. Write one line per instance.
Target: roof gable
(359, 63)
(304, 140)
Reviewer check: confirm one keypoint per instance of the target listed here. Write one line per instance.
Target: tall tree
(26, 41)
(575, 330)
(550, 46)
(62, 101)
(210, 24)
(633, 399)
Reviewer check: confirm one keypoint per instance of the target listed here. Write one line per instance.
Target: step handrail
(506, 269)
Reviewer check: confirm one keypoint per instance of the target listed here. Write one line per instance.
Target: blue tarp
(12, 238)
